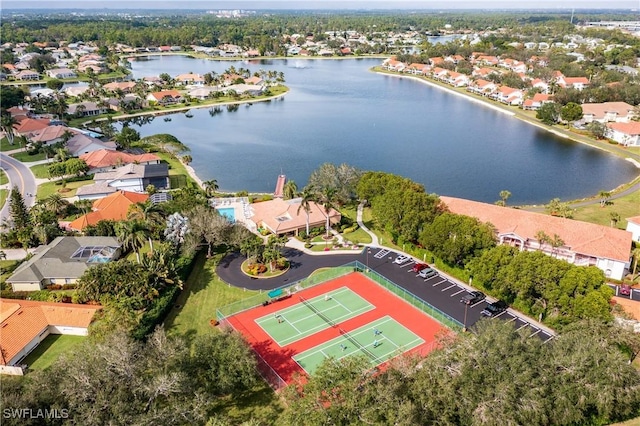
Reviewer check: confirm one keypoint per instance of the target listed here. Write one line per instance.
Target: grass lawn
(40, 171)
(48, 188)
(627, 206)
(6, 269)
(3, 178)
(203, 293)
(26, 158)
(632, 422)
(4, 194)
(359, 236)
(50, 350)
(6, 146)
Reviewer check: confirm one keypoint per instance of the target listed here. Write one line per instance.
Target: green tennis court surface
(391, 339)
(311, 316)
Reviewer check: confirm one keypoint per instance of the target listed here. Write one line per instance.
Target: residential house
(61, 73)
(112, 207)
(201, 93)
(165, 97)
(585, 244)
(605, 112)
(255, 80)
(281, 216)
(487, 60)
(103, 160)
(626, 134)
(190, 79)
(75, 91)
(392, 64)
(63, 261)
(417, 69)
(440, 73)
(27, 75)
(51, 134)
(482, 87)
(253, 53)
(508, 95)
(135, 177)
(250, 89)
(435, 61)
(82, 144)
(578, 83)
(536, 83)
(536, 102)
(124, 86)
(457, 79)
(86, 109)
(26, 323)
(483, 72)
(27, 126)
(633, 226)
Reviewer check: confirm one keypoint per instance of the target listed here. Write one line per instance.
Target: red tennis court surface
(386, 304)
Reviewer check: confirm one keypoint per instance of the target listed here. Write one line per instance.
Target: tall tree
(18, 210)
(327, 199)
(290, 190)
(504, 196)
(308, 195)
(7, 123)
(132, 235)
(210, 187)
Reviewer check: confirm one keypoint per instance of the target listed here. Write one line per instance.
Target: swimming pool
(229, 213)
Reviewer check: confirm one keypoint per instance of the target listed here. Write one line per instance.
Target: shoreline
(631, 159)
(498, 108)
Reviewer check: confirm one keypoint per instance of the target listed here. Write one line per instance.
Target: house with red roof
(534, 104)
(281, 216)
(605, 112)
(508, 95)
(112, 207)
(482, 87)
(28, 126)
(417, 69)
(578, 83)
(584, 244)
(537, 83)
(125, 86)
(104, 159)
(483, 72)
(52, 134)
(626, 134)
(190, 79)
(165, 97)
(24, 324)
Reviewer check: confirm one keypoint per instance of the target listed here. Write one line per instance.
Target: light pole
(464, 323)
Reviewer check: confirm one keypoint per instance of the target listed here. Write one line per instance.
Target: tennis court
(379, 341)
(313, 315)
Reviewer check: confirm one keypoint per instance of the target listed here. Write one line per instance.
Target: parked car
(494, 309)
(427, 273)
(625, 290)
(473, 297)
(401, 259)
(419, 267)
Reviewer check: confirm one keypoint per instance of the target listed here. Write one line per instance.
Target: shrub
(68, 286)
(308, 245)
(54, 287)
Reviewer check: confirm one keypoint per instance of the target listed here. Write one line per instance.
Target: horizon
(96, 5)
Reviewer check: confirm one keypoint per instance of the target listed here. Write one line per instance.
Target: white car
(401, 259)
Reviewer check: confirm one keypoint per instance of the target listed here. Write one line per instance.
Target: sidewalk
(299, 245)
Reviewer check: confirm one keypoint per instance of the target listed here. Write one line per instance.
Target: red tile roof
(29, 125)
(111, 207)
(22, 320)
(580, 237)
(108, 158)
(632, 128)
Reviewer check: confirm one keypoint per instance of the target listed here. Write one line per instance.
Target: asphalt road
(440, 292)
(21, 176)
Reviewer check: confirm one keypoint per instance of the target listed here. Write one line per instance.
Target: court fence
(265, 370)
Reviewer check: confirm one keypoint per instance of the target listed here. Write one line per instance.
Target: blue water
(338, 111)
(228, 212)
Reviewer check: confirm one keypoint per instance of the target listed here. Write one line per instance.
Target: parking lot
(442, 293)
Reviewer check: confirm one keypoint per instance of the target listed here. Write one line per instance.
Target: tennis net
(317, 312)
(359, 346)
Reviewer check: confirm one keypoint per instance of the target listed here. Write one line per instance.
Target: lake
(338, 111)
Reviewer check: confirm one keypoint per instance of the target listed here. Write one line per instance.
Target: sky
(323, 4)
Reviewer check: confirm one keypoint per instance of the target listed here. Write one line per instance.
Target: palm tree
(615, 217)
(146, 212)
(604, 196)
(210, 187)
(542, 238)
(290, 190)
(327, 198)
(7, 122)
(556, 242)
(56, 204)
(308, 195)
(132, 235)
(504, 196)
